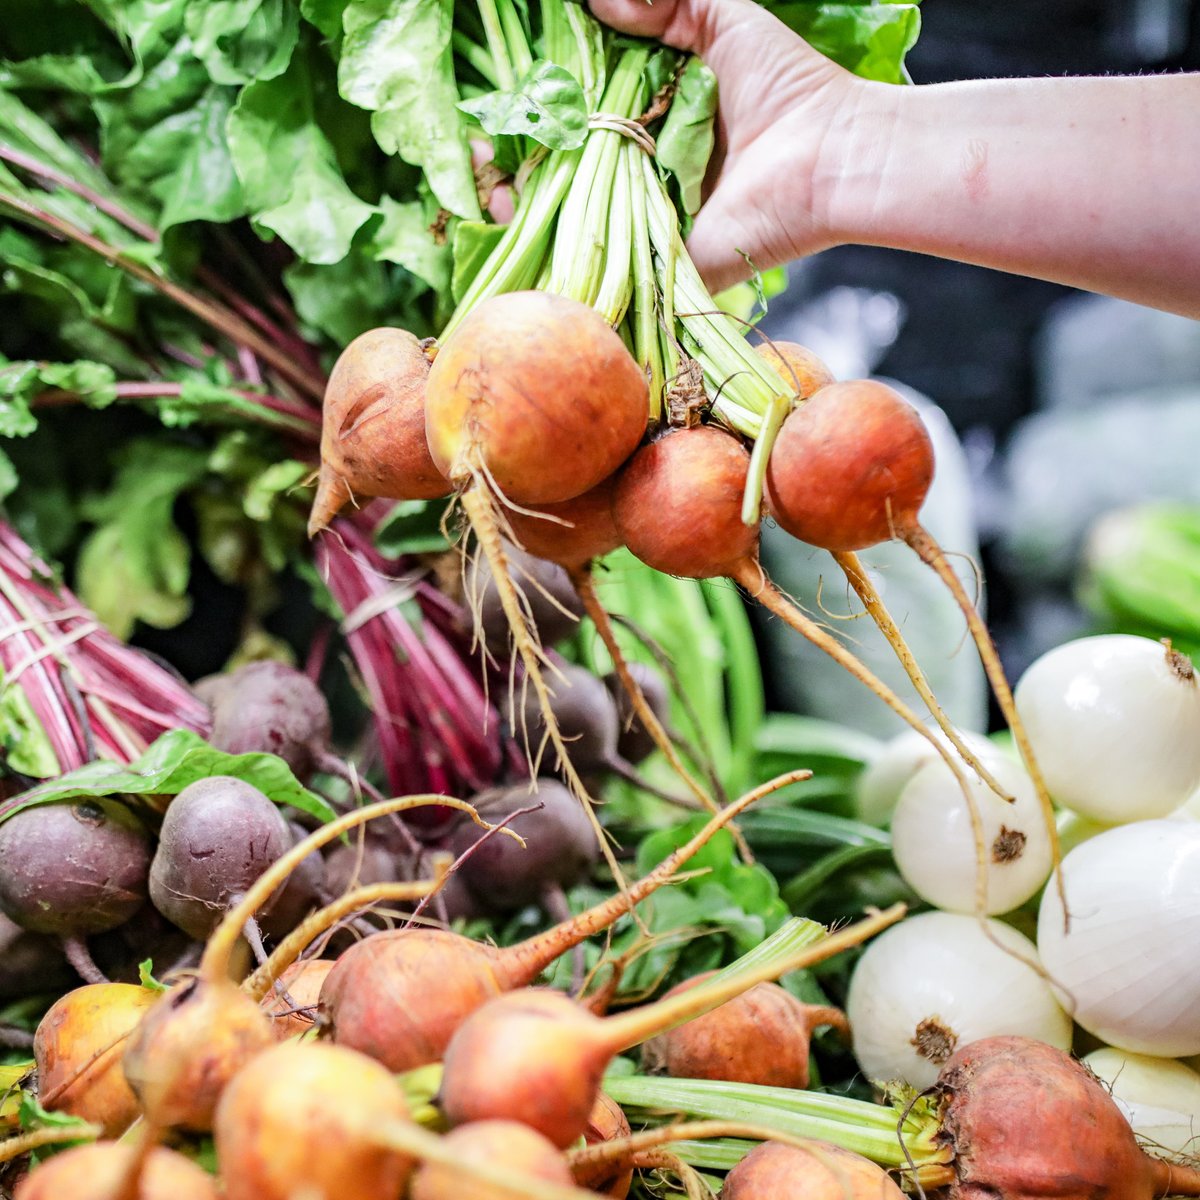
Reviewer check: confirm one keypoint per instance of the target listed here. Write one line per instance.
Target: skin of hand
(1086, 181)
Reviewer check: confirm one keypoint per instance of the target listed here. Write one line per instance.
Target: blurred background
(1065, 407)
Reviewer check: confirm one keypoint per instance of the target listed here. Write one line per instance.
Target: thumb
(720, 237)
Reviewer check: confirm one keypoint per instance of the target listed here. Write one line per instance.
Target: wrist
(851, 178)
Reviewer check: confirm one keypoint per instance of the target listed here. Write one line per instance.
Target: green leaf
(24, 743)
(412, 527)
(277, 481)
(176, 759)
(326, 15)
(20, 382)
(869, 39)
(685, 142)
(33, 1116)
(135, 565)
(397, 63)
(404, 237)
(547, 105)
(239, 41)
(474, 242)
(288, 169)
(146, 976)
(8, 476)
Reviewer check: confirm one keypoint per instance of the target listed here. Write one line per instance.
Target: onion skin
(760, 1037)
(538, 391)
(779, 1171)
(851, 467)
(92, 1172)
(1028, 1122)
(89, 1023)
(297, 1120)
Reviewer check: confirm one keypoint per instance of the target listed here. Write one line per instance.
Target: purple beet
(73, 869)
(218, 836)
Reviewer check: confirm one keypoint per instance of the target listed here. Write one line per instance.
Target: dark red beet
(634, 743)
(30, 963)
(552, 599)
(585, 712)
(219, 834)
(560, 846)
(271, 707)
(73, 868)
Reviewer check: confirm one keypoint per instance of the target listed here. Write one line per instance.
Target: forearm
(1092, 182)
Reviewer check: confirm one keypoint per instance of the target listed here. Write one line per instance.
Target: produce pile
(387, 804)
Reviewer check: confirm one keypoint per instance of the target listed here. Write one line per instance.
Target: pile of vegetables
(371, 434)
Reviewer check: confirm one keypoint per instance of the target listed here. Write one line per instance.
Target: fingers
(716, 239)
(643, 18)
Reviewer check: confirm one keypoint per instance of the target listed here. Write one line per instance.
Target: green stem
(497, 45)
(476, 56)
(873, 1130)
(645, 311)
(514, 33)
(800, 890)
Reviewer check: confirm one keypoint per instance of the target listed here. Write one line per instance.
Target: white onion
(934, 845)
(934, 983)
(1074, 830)
(1160, 1098)
(1128, 968)
(880, 785)
(1114, 722)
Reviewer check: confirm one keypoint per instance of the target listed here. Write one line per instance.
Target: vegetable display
(389, 808)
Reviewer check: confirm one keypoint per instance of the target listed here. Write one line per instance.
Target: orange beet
(606, 1122)
(539, 393)
(93, 1172)
(1028, 1122)
(775, 1171)
(491, 1143)
(297, 1121)
(851, 467)
(81, 1039)
(800, 368)
(761, 1036)
(678, 504)
(302, 981)
(399, 996)
(373, 426)
(589, 530)
(188, 1047)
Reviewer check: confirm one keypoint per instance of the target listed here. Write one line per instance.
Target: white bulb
(1114, 722)
(880, 785)
(936, 982)
(1127, 968)
(934, 843)
(1160, 1098)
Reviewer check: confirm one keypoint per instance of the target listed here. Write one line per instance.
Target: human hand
(782, 129)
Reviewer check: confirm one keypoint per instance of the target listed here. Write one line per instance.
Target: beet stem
(49, 1135)
(860, 581)
(585, 587)
(519, 965)
(77, 954)
(315, 924)
(1171, 1179)
(751, 576)
(554, 901)
(629, 1029)
(477, 503)
(930, 553)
